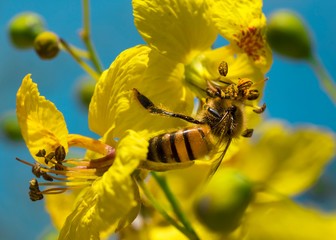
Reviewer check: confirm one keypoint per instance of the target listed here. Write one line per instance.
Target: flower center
(197, 73)
(251, 41)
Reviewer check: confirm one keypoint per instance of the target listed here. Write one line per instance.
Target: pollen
(251, 41)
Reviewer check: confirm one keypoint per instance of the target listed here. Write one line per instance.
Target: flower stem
(80, 61)
(326, 80)
(160, 209)
(86, 37)
(173, 202)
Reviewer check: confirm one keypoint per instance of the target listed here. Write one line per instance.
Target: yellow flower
(281, 163)
(243, 24)
(182, 33)
(108, 197)
(45, 133)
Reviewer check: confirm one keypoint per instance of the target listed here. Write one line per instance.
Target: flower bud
(46, 45)
(288, 35)
(223, 202)
(23, 29)
(85, 91)
(11, 128)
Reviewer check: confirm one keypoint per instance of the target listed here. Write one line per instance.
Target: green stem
(326, 81)
(86, 37)
(79, 52)
(160, 209)
(173, 202)
(83, 64)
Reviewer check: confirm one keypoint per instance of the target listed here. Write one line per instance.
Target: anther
(60, 153)
(223, 68)
(41, 153)
(34, 190)
(49, 157)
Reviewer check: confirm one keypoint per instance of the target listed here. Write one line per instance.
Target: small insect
(220, 120)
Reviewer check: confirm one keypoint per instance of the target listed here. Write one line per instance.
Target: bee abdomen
(180, 146)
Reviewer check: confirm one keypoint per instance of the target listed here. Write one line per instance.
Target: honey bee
(221, 120)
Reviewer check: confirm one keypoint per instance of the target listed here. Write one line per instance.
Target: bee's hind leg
(150, 106)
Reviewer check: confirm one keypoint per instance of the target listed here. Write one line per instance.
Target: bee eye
(232, 108)
(214, 113)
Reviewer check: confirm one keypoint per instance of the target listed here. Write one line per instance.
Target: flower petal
(162, 83)
(108, 99)
(177, 29)
(244, 25)
(113, 106)
(287, 220)
(113, 201)
(42, 125)
(287, 161)
(59, 214)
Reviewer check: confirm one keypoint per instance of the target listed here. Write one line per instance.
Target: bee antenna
(261, 81)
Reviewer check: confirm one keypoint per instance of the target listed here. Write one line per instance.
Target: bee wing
(216, 163)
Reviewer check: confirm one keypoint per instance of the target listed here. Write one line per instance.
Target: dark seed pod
(46, 45)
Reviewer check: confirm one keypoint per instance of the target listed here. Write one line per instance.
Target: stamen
(34, 193)
(69, 173)
(60, 153)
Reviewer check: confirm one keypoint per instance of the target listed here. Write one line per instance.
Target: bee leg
(213, 91)
(247, 133)
(149, 105)
(260, 109)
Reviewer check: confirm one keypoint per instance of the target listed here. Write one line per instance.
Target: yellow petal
(286, 160)
(108, 99)
(287, 220)
(239, 65)
(113, 200)
(113, 106)
(42, 125)
(59, 214)
(244, 25)
(162, 83)
(178, 29)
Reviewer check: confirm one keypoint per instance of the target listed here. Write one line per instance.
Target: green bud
(85, 91)
(11, 128)
(46, 45)
(223, 202)
(23, 29)
(288, 35)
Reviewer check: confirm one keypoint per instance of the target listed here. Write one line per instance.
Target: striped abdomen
(180, 146)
